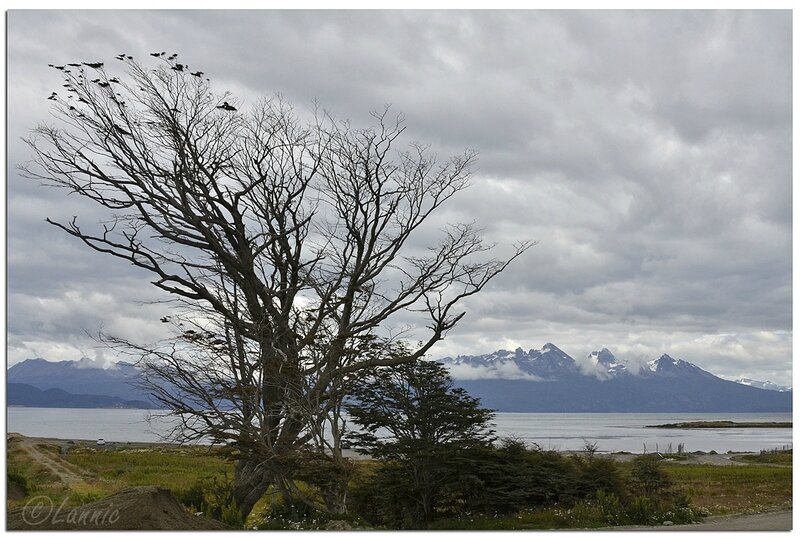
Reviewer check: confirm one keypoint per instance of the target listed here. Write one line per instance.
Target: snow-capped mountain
(605, 365)
(769, 386)
(549, 380)
(667, 366)
(548, 363)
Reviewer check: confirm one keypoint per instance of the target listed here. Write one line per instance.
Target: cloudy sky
(649, 153)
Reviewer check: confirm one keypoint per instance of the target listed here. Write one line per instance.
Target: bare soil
(66, 472)
(138, 508)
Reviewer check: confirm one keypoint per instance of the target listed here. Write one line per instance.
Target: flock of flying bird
(107, 83)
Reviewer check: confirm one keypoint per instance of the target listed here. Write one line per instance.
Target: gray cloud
(649, 153)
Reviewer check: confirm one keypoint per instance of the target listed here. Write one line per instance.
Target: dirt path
(772, 521)
(67, 473)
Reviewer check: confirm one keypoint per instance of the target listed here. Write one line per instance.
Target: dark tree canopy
(412, 417)
(414, 409)
(287, 246)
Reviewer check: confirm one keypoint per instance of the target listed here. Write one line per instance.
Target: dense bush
(648, 475)
(295, 515)
(498, 482)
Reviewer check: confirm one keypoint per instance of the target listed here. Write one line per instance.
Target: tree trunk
(335, 495)
(249, 484)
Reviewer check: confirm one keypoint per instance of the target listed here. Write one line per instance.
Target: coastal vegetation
(709, 490)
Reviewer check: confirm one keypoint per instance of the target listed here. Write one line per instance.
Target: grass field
(764, 483)
(735, 489)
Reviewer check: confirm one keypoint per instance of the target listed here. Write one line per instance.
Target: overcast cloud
(649, 153)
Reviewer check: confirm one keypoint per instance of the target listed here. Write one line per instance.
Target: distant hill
(549, 380)
(81, 377)
(28, 395)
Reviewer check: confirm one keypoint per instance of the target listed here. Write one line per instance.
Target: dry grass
(735, 489)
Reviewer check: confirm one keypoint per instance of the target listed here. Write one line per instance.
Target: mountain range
(549, 380)
(75, 384)
(28, 395)
(544, 380)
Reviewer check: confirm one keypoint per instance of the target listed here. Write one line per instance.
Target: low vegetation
(768, 456)
(596, 492)
(722, 490)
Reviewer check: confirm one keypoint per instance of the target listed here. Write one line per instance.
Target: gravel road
(772, 521)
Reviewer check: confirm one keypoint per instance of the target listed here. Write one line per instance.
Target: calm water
(611, 432)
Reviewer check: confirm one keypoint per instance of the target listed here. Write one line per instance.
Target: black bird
(226, 106)
(129, 57)
(59, 67)
(198, 73)
(82, 100)
(165, 319)
(94, 65)
(173, 56)
(103, 84)
(74, 65)
(114, 79)
(178, 67)
(53, 96)
(95, 81)
(71, 107)
(157, 54)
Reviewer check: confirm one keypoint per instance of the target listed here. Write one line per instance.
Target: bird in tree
(157, 54)
(94, 65)
(172, 56)
(178, 67)
(53, 96)
(226, 106)
(197, 74)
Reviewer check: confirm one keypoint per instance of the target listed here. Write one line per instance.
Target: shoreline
(725, 425)
(695, 457)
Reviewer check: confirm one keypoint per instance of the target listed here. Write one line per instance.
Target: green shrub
(295, 515)
(648, 476)
(16, 477)
(640, 511)
(611, 508)
(214, 498)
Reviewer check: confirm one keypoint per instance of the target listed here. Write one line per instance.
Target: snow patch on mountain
(603, 365)
(769, 386)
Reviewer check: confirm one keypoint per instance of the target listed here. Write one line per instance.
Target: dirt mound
(15, 491)
(138, 508)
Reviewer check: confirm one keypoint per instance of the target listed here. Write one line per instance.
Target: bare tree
(287, 244)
